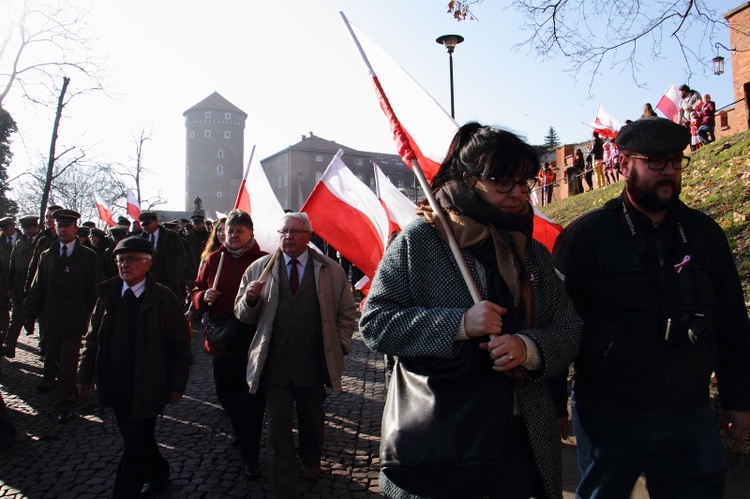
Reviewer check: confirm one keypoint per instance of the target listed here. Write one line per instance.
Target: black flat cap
(123, 221)
(170, 225)
(147, 215)
(118, 230)
(89, 224)
(29, 220)
(98, 233)
(66, 215)
(83, 231)
(197, 218)
(136, 244)
(653, 135)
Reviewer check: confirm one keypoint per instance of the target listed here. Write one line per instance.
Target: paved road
(79, 459)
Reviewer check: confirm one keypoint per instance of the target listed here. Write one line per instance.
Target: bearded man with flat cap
(62, 296)
(656, 285)
(138, 353)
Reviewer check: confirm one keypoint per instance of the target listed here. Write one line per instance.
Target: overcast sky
(291, 65)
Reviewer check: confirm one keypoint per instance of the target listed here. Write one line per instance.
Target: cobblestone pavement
(79, 459)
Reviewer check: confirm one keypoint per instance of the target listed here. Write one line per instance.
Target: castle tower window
(318, 158)
(227, 116)
(219, 194)
(207, 115)
(192, 134)
(220, 153)
(219, 170)
(207, 133)
(227, 134)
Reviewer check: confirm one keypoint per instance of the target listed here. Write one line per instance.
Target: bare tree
(42, 42)
(614, 34)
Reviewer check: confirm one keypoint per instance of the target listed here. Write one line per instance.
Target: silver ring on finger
(510, 356)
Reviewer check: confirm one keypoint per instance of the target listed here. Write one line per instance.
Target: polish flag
(605, 124)
(134, 206)
(264, 208)
(348, 215)
(422, 120)
(400, 209)
(669, 104)
(105, 214)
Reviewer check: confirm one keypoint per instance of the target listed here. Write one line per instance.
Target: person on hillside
(661, 299)
(648, 110)
(597, 151)
(708, 120)
(689, 102)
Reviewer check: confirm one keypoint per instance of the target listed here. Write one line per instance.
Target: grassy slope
(717, 183)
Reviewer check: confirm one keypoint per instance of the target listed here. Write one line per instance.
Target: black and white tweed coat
(414, 307)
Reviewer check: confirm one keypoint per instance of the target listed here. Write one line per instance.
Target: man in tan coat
(305, 316)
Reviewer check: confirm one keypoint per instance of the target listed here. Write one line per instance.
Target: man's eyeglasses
(292, 232)
(129, 259)
(658, 163)
(504, 185)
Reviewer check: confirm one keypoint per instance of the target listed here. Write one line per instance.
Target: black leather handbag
(227, 335)
(446, 424)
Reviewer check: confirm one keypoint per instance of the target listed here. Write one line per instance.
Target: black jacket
(612, 270)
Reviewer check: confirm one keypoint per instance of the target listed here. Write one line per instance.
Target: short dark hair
(684, 88)
(239, 217)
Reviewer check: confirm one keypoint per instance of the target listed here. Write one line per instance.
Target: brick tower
(214, 154)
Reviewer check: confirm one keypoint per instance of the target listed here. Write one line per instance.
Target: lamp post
(718, 61)
(450, 42)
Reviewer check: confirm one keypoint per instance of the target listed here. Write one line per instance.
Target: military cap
(653, 135)
(29, 220)
(67, 215)
(197, 218)
(184, 221)
(123, 221)
(6, 221)
(54, 207)
(118, 230)
(98, 233)
(134, 243)
(83, 231)
(188, 226)
(147, 215)
(88, 224)
(170, 225)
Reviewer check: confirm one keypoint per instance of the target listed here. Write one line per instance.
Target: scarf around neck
(241, 251)
(474, 222)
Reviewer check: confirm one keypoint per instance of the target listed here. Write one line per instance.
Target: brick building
(737, 117)
(294, 171)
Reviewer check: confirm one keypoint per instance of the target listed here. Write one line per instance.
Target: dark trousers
(282, 401)
(17, 322)
(61, 362)
(519, 478)
(682, 455)
(245, 410)
(141, 460)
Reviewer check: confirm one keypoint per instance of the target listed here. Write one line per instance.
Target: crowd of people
(641, 296)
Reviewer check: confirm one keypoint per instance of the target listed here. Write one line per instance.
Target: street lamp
(718, 61)
(450, 42)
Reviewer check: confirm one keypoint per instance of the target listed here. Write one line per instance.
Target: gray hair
(297, 215)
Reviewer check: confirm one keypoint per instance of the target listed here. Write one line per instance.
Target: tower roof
(215, 102)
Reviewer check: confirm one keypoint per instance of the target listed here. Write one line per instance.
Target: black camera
(691, 326)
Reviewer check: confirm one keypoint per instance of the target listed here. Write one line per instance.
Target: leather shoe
(153, 488)
(65, 416)
(252, 471)
(45, 386)
(311, 472)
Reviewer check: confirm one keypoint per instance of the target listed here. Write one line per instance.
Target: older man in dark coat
(138, 353)
(63, 296)
(169, 258)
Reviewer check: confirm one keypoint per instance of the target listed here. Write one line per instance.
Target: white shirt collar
(302, 259)
(138, 289)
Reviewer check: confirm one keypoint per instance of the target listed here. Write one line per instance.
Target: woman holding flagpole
(227, 339)
(468, 411)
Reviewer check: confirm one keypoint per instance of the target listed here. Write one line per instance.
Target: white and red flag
(421, 120)
(134, 206)
(669, 104)
(605, 124)
(348, 215)
(256, 198)
(545, 230)
(399, 208)
(105, 214)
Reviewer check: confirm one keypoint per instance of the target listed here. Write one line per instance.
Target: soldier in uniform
(197, 238)
(20, 258)
(118, 233)
(63, 295)
(83, 234)
(169, 254)
(8, 237)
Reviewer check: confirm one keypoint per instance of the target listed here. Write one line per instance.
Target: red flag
(105, 214)
(134, 207)
(421, 119)
(669, 104)
(348, 215)
(545, 230)
(399, 208)
(243, 197)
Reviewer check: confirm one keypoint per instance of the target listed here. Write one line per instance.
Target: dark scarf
(497, 239)
(241, 251)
